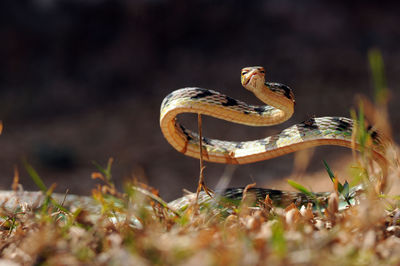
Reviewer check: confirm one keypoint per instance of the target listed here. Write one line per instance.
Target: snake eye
(244, 72)
(262, 71)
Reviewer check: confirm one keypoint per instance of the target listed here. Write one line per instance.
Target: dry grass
(136, 227)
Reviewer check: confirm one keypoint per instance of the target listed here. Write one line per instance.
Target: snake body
(280, 102)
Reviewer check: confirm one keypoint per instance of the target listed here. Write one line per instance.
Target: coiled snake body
(279, 100)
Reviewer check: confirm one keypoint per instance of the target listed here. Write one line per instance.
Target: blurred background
(83, 80)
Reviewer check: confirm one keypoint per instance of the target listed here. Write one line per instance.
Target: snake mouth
(246, 82)
(252, 74)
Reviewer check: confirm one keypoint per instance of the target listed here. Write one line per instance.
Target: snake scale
(280, 102)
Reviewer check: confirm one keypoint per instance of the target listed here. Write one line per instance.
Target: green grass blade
(328, 169)
(332, 176)
(35, 177)
(107, 171)
(100, 168)
(378, 75)
(305, 191)
(300, 188)
(346, 189)
(40, 184)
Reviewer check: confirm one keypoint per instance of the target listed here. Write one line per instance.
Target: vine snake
(280, 102)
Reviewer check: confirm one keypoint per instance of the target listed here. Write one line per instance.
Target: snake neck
(274, 94)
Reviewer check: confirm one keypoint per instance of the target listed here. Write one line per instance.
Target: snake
(279, 103)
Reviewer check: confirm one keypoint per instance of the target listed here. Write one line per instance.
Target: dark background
(84, 80)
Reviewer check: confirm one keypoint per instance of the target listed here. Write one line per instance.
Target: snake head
(253, 77)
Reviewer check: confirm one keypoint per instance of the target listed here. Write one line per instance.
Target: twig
(201, 177)
(156, 198)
